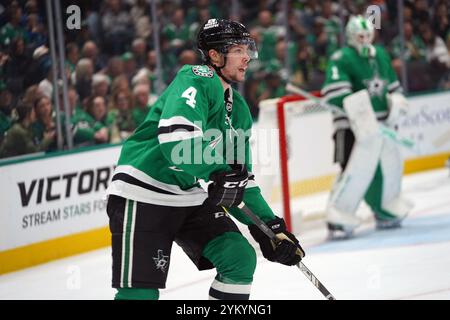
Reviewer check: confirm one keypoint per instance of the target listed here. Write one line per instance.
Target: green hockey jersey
(348, 72)
(191, 131)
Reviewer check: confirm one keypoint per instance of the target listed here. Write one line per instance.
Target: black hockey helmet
(220, 34)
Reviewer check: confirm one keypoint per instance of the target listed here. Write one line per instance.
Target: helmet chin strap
(219, 70)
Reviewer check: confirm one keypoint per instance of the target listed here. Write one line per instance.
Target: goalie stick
(323, 105)
(268, 232)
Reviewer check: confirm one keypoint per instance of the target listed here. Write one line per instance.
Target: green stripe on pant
(127, 244)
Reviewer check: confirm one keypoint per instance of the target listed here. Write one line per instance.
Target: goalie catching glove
(227, 188)
(286, 251)
(398, 107)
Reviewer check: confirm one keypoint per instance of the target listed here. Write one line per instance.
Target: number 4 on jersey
(189, 94)
(334, 73)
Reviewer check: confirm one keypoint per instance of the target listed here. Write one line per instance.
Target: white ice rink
(408, 263)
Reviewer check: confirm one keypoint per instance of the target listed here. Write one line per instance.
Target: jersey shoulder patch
(337, 55)
(202, 71)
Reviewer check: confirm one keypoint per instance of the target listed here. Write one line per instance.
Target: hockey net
(299, 173)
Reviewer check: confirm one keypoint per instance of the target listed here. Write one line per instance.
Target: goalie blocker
(372, 167)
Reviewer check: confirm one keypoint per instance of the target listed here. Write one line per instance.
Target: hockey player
(155, 199)
(360, 79)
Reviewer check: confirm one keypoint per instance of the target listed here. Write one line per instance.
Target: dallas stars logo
(202, 71)
(375, 86)
(161, 261)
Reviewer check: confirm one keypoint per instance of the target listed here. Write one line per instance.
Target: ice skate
(385, 224)
(394, 213)
(339, 232)
(340, 225)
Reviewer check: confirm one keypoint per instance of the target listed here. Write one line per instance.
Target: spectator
(303, 70)
(6, 103)
(117, 26)
(142, 104)
(319, 41)
(120, 83)
(115, 68)
(177, 32)
(331, 25)
(389, 29)
(193, 13)
(72, 55)
(32, 94)
(150, 65)
(90, 127)
(421, 12)
(82, 78)
(121, 116)
(167, 9)
(441, 23)
(142, 77)
(17, 66)
(138, 48)
(73, 104)
(272, 85)
(129, 65)
(437, 56)
(414, 46)
(35, 31)
(40, 65)
(13, 29)
(313, 33)
(20, 139)
(90, 50)
(436, 50)
(269, 35)
(44, 124)
(187, 56)
(100, 85)
(74, 101)
(203, 16)
(46, 85)
(141, 18)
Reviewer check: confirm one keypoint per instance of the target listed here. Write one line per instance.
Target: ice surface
(408, 263)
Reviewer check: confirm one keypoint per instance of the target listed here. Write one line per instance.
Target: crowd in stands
(111, 62)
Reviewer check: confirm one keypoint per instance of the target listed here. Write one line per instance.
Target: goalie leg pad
(363, 120)
(384, 194)
(392, 170)
(353, 182)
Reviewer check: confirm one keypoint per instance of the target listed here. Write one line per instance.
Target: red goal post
(283, 146)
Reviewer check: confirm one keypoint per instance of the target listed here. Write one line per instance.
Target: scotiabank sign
(53, 197)
(427, 124)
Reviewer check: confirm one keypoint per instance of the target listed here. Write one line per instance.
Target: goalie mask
(360, 34)
(220, 35)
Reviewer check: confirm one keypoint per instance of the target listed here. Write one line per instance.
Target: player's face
(238, 58)
(365, 38)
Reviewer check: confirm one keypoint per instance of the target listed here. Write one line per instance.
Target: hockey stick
(268, 232)
(387, 132)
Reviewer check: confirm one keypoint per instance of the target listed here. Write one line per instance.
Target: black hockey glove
(227, 188)
(286, 251)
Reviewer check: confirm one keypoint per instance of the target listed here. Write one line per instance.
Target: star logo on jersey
(202, 71)
(375, 86)
(161, 261)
